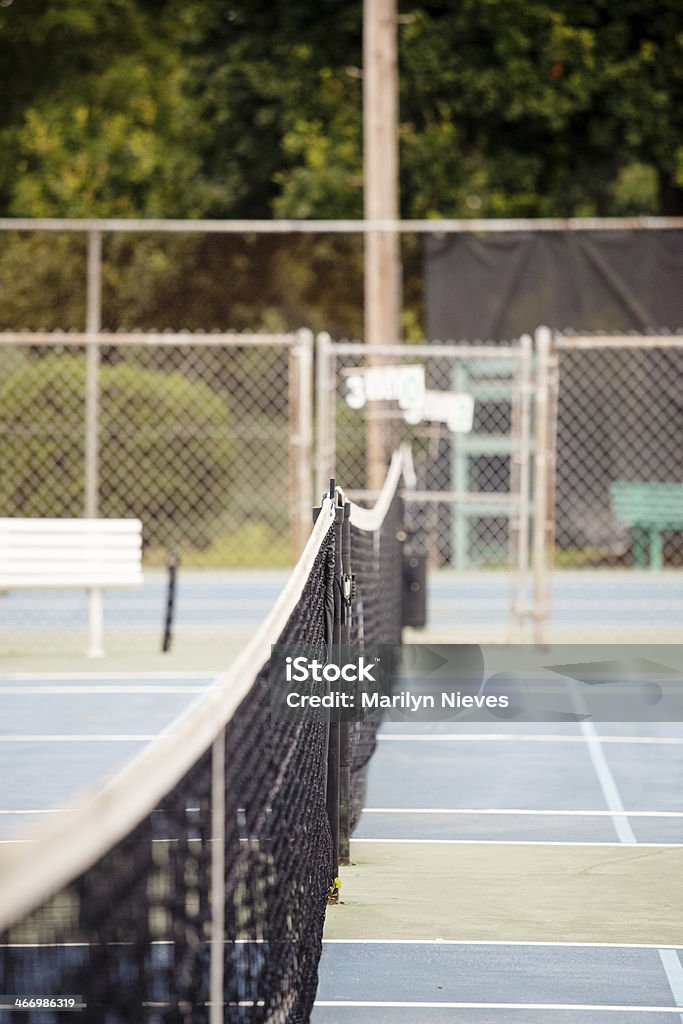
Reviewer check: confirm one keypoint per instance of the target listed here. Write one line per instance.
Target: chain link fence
(194, 435)
(185, 277)
(130, 386)
(608, 487)
(619, 421)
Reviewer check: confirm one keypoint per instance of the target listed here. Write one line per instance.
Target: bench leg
(638, 548)
(95, 624)
(656, 556)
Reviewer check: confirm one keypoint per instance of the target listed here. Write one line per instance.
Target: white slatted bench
(94, 554)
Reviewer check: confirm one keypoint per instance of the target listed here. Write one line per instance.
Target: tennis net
(192, 888)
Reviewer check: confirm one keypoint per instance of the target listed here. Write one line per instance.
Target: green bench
(648, 509)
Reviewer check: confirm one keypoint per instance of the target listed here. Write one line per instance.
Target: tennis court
(216, 612)
(513, 873)
(63, 733)
(150, 817)
(456, 907)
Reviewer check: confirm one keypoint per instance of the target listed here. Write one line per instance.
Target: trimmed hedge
(166, 453)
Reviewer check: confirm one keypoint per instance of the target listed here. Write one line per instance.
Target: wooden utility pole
(380, 157)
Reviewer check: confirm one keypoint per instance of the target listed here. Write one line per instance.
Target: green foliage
(534, 109)
(98, 121)
(197, 109)
(252, 545)
(166, 451)
(162, 108)
(42, 281)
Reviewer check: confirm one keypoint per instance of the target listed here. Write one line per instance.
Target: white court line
(607, 783)
(465, 842)
(501, 942)
(84, 738)
(532, 737)
(228, 603)
(382, 942)
(398, 1005)
(92, 676)
(37, 810)
(674, 972)
(521, 842)
(521, 811)
(567, 604)
(670, 963)
(98, 689)
(471, 842)
(159, 842)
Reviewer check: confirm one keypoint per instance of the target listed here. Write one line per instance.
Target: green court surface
(516, 893)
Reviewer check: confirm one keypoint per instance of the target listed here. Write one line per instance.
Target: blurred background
(182, 188)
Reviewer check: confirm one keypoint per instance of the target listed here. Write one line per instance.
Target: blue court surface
(458, 602)
(501, 874)
(513, 874)
(469, 983)
(63, 735)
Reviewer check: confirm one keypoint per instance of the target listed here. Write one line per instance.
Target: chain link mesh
(192, 437)
(619, 420)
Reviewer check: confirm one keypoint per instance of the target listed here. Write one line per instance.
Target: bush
(166, 452)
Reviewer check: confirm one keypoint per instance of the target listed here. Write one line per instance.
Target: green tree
(96, 119)
(517, 108)
(163, 108)
(254, 109)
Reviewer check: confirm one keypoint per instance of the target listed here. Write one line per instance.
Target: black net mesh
(131, 934)
(376, 561)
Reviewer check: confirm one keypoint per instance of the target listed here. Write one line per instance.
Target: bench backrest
(654, 504)
(70, 553)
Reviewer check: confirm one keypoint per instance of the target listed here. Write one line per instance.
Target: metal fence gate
(466, 411)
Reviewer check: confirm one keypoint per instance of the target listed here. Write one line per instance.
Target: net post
(173, 563)
(334, 747)
(332, 751)
(344, 727)
(414, 554)
(216, 968)
(553, 398)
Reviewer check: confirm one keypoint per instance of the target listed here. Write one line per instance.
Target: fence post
(301, 436)
(541, 489)
(553, 398)
(520, 478)
(325, 411)
(92, 414)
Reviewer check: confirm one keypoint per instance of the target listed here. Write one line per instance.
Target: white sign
(402, 384)
(455, 409)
